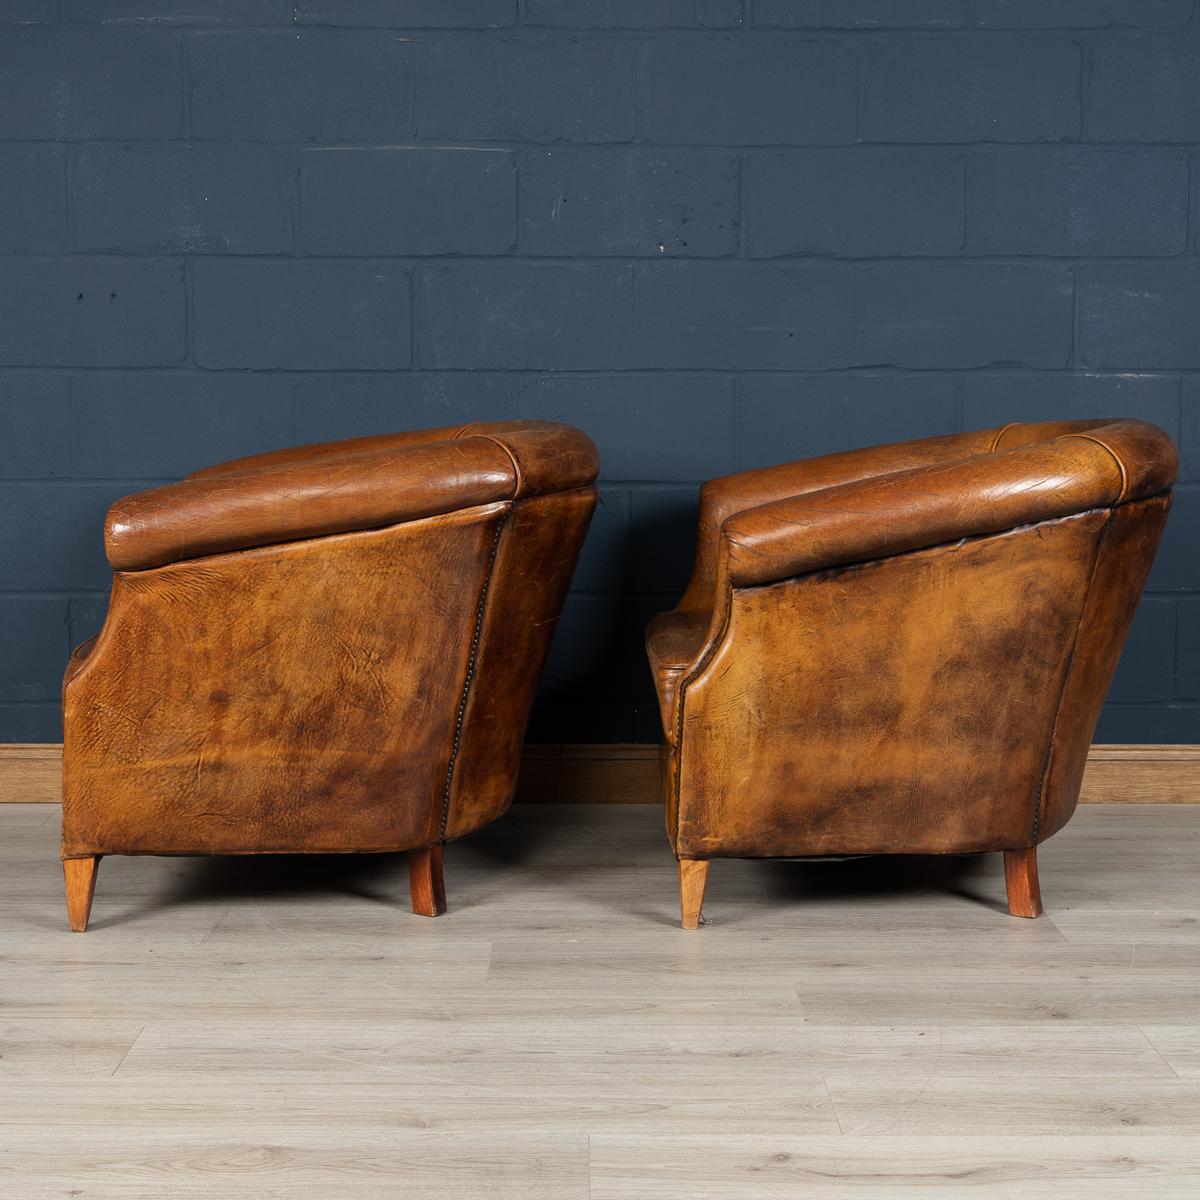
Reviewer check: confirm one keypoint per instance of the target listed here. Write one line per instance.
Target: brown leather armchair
(330, 649)
(904, 649)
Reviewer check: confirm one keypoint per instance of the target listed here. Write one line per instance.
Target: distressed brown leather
(905, 649)
(333, 648)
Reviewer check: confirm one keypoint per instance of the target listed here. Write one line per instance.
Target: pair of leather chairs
(335, 648)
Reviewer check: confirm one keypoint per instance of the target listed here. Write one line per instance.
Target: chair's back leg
(80, 876)
(1021, 878)
(425, 881)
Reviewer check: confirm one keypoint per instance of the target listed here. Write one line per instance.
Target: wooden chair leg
(80, 876)
(425, 881)
(1021, 878)
(693, 875)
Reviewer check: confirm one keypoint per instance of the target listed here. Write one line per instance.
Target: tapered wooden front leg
(425, 881)
(80, 875)
(693, 875)
(1021, 878)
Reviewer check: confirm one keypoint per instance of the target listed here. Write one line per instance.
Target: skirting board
(629, 774)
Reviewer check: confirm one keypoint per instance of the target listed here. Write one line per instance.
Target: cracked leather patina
(906, 648)
(333, 648)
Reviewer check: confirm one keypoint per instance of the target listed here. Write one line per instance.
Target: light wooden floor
(285, 1028)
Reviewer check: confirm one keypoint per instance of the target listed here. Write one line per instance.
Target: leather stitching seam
(520, 479)
(1000, 435)
(1087, 437)
(470, 676)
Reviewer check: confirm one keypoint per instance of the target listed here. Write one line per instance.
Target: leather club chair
(904, 649)
(328, 649)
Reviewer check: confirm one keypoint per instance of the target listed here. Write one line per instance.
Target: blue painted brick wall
(715, 233)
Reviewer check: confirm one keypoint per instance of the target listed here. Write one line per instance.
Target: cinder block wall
(715, 234)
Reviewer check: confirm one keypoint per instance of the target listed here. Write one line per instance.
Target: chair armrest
(891, 514)
(212, 514)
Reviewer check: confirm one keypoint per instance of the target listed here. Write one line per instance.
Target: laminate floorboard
(284, 1027)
